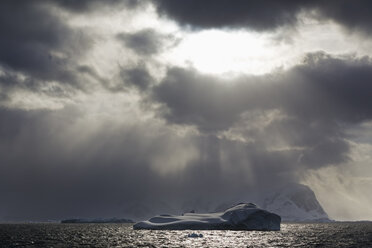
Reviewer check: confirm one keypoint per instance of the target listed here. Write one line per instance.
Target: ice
(194, 235)
(244, 216)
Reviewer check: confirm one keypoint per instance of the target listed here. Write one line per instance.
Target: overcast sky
(125, 108)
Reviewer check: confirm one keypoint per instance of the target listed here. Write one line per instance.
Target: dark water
(122, 235)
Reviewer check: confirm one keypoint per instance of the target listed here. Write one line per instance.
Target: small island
(103, 220)
(244, 216)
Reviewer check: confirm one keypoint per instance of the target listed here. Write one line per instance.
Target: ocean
(123, 235)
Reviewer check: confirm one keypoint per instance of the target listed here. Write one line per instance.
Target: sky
(126, 108)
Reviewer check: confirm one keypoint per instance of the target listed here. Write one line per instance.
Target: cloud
(323, 88)
(84, 6)
(203, 100)
(42, 55)
(37, 43)
(264, 15)
(261, 15)
(147, 41)
(138, 76)
(352, 15)
(315, 100)
(214, 140)
(39, 54)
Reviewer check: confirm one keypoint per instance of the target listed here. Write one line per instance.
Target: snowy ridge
(296, 202)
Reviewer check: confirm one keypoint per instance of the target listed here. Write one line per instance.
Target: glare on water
(123, 235)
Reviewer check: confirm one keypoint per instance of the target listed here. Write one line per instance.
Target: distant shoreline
(96, 221)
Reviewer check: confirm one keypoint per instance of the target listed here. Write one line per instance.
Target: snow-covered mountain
(295, 202)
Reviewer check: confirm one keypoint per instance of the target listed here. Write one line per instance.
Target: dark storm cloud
(83, 6)
(31, 38)
(39, 51)
(354, 15)
(146, 41)
(319, 98)
(264, 15)
(323, 88)
(138, 77)
(328, 151)
(196, 99)
(328, 88)
(258, 15)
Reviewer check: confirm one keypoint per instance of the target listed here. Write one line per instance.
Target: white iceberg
(240, 217)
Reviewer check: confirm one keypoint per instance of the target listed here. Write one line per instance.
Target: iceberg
(194, 235)
(244, 216)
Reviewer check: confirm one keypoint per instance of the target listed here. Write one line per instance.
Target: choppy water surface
(122, 235)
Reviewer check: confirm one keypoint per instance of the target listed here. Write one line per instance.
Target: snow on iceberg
(240, 217)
